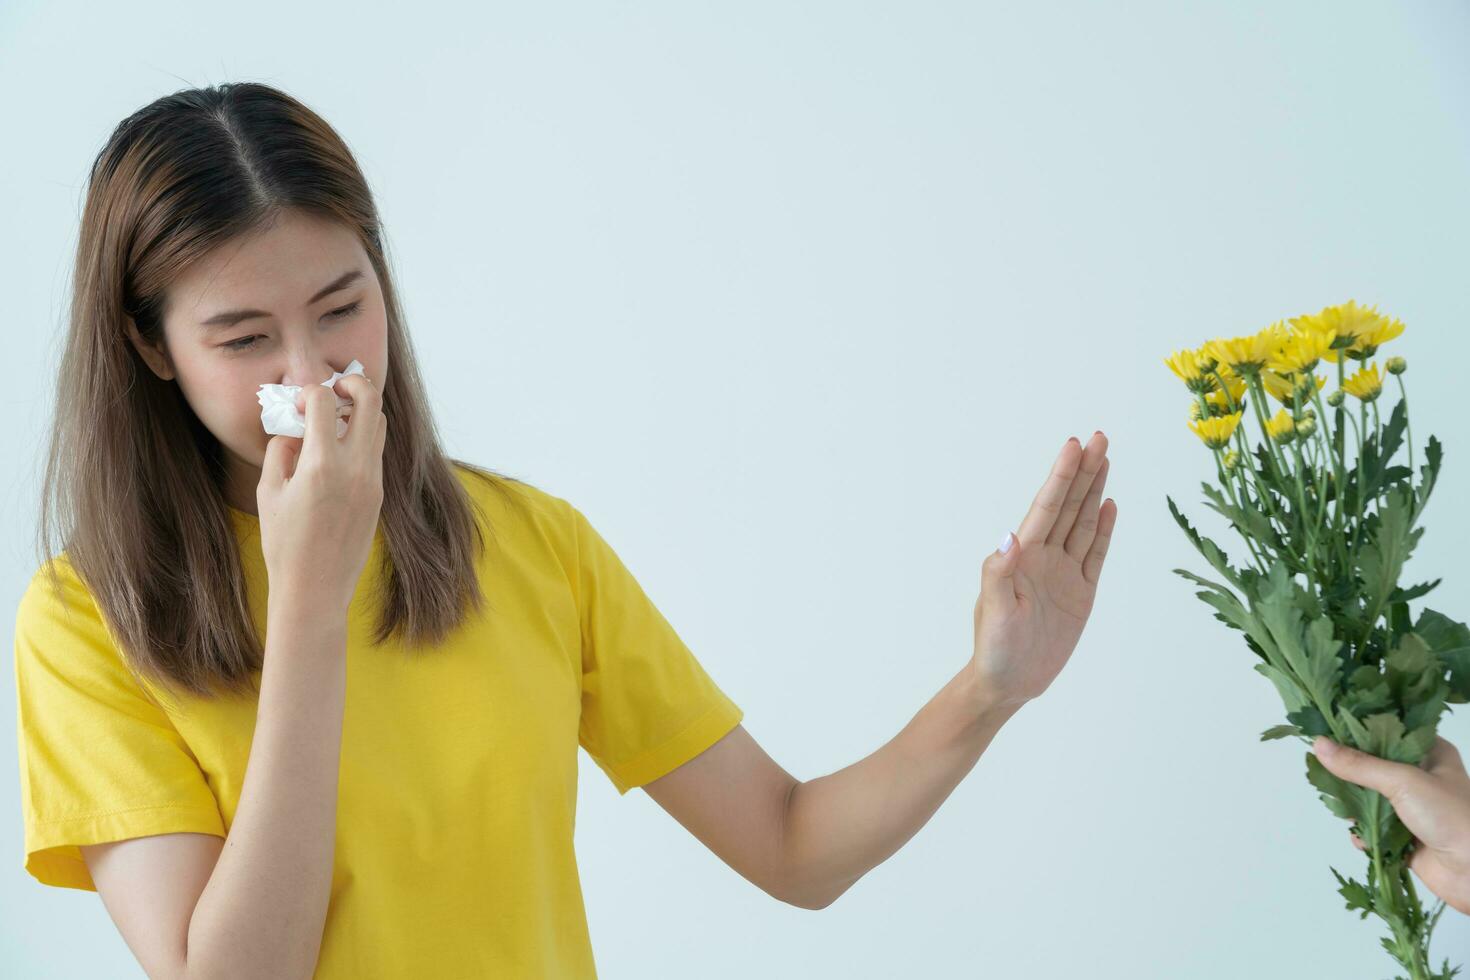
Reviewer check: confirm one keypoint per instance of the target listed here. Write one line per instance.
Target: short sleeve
(648, 706)
(99, 759)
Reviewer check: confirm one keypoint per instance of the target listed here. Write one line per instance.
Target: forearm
(840, 826)
(261, 913)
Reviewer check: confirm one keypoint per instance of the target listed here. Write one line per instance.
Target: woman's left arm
(808, 842)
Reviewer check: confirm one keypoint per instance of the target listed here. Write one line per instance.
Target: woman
(279, 704)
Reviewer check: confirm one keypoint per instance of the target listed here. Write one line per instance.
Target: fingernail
(1006, 542)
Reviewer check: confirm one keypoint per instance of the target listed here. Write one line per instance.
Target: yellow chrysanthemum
(1348, 323)
(1193, 367)
(1307, 345)
(1235, 388)
(1216, 432)
(1281, 387)
(1247, 355)
(1365, 385)
(1281, 427)
(1370, 340)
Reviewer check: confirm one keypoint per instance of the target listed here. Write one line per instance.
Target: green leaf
(1416, 745)
(1382, 558)
(1385, 729)
(1280, 731)
(1311, 653)
(1411, 665)
(1370, 700)
(1358, 735)
(1358, 896)
(1310, 721)
(1291, 692)
(1231, 610)
(1342, 798)
(1374, 471)
(1364, 698)
(1413, 592)
(1428, 474)
(1389, 739)
(1395, 837)
(1218, 559)
(1248, 520)
(1450, 640)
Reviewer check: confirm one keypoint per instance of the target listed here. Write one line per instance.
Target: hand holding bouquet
(1328, 517)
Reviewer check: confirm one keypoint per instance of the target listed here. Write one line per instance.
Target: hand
(1432, 801)
(1036, 596)
(319, 496)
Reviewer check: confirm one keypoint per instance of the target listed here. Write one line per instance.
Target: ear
(157, 360)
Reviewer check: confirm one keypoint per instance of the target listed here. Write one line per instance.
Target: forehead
(282, 264)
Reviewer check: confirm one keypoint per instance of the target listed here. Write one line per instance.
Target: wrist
(986, 703)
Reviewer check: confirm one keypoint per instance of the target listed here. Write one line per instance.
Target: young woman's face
(313, 305)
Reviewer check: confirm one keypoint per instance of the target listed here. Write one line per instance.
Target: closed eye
(341, 313)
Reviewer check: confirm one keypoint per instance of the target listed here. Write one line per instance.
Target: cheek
(224, 400)
(368, 344)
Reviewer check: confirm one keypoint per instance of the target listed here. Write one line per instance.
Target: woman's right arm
(253, 904)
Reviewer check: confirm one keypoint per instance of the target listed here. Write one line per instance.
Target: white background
(798, 303)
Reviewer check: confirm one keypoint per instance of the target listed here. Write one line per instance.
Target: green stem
(1235, 499)
(1409, 429)
(1259, 392)
(1378, 433)
(1324, 431)
(1245, 456)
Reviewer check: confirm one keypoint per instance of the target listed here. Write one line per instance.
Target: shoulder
(61, 635)
(55, 590)
(521, 511)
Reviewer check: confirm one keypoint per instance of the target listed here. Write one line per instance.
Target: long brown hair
(133, 480)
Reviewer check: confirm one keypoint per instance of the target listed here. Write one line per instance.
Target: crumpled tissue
(278, 406)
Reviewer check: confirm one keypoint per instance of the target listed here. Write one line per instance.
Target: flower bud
(1396, 365)
(1306, 426)
(1232, 460)
(1335, 399)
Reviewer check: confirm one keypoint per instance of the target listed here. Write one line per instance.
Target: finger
(321, 419)
(1085, 529)
(1047, 505)
(367, 404)
(280, 459)
(1107, 518)
(1093, 455)
(1387, 777)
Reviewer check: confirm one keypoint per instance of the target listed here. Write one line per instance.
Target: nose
(308, 370)
(311, 372)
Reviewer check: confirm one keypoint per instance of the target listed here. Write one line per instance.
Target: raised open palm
(1036, 596)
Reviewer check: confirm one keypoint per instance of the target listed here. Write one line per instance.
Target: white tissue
(278, 406)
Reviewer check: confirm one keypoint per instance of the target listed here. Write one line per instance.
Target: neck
(240, 483)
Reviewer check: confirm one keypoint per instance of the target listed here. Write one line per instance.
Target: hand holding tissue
(278, 406)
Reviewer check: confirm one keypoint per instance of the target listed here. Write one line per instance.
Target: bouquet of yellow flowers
(1328, 519)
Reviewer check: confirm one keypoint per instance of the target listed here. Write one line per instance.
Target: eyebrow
(231, 317)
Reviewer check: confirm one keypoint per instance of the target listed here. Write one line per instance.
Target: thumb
(1384, 775)
(998, 573)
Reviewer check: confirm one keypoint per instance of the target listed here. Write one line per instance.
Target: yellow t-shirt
(458, 780)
